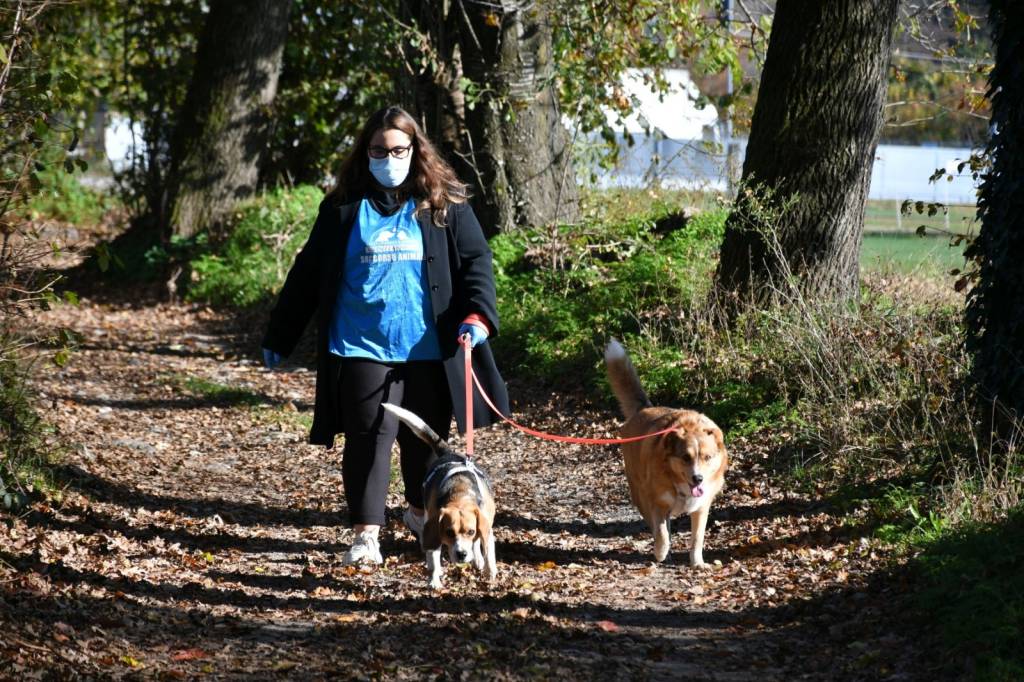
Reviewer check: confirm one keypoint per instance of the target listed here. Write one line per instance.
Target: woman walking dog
(395, 271)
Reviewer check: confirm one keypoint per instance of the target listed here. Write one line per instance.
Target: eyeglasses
(378, 152)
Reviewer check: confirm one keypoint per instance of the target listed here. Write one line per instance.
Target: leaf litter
(200, 536)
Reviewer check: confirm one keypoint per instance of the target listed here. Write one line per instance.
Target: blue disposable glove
(271, 359)
(477, 334)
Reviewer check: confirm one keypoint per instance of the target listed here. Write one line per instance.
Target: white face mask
(389, 171)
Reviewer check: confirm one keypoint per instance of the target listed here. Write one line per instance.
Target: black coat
(460, 281)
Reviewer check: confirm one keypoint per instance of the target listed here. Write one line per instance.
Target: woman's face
(388, 140)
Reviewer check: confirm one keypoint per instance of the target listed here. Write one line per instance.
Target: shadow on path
(242, 513)
(607, 641)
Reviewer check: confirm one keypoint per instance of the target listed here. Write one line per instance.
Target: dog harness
(450, 470)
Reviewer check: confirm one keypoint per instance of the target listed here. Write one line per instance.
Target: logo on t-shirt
(391, 244)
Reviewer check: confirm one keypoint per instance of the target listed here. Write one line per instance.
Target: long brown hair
(431, 180)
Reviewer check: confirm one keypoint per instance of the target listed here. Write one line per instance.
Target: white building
(676, 144)
(686, 149)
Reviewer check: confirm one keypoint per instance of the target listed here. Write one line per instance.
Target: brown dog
(459, 505)
(675, 473)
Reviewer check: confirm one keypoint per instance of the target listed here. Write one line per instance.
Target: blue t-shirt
(382, 311)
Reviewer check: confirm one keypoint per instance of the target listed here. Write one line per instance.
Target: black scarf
(386, 203)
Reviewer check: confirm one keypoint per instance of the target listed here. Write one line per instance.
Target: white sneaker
(365, 549)
(414, 522)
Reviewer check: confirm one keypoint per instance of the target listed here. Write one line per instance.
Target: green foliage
(35, 92)
(218, 392)
(343, 60)
(249, 264)
(63, 197)
(338, 68)
(972, 588)
(936, 105)
(904, 518)
(565, 290)
(996, 301)
(936, 86)
(881, 377)
(140, 256)
(595, 43)
(239, 264)
(138, 58)
(23, 452)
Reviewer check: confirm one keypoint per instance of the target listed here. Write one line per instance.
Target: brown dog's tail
(625, 383)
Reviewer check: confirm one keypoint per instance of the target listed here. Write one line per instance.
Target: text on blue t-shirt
(382, 311)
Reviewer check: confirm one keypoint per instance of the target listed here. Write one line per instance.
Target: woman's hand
(271, 359)
(477, 334)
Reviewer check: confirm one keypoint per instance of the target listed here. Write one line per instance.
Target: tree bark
(487, 98)
(225, 120)
(518, 142)
(431, 93)
(995, 306)
(799, 215)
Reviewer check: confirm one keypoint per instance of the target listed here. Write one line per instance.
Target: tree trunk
(488, 101)
(995, 307)
(799, 216)
(431, 93)
(225, 120)
(515, 133)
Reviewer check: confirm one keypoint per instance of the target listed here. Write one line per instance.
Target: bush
(63, 197)
(868, 394)
(865, 405)
(564, 290)
(973, 589)
(250, 262)
(23, 455)
(37, 144)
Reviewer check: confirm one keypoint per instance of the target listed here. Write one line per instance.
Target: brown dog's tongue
(696, 491)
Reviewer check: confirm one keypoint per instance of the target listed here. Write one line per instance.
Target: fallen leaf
(189, 655)
(128, 660)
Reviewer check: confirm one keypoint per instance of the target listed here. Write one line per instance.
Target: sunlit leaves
(595, 42)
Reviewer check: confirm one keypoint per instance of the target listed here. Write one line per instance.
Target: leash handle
(467, 347)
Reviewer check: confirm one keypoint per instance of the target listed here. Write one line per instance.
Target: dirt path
(200, 536)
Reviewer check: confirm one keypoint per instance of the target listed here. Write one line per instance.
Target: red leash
(466, 345)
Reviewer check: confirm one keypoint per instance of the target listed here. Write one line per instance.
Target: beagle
(459, 505)
(679, 472)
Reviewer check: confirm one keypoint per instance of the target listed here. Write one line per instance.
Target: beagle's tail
(417, 425)
(623, 379)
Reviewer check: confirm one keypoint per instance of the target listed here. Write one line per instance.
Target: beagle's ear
(483, 526)
(431, 537)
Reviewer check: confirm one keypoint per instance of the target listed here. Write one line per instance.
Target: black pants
(420, 387)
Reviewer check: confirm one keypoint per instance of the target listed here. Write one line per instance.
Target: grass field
(910, 254)
(884, 216)
(891, 241)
